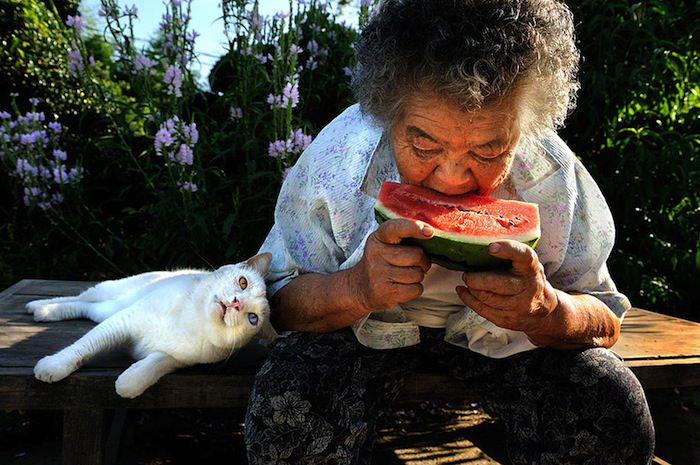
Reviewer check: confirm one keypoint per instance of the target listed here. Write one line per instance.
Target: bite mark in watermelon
(464, 224)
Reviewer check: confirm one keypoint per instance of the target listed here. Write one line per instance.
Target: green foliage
(637, 128)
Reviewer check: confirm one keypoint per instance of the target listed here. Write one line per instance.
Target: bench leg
(82, 436)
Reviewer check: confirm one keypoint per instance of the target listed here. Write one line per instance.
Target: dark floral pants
(317, 398)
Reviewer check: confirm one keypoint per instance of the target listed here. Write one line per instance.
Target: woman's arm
(578, 321)
(522, 299)
(315, 302)
(387, 274)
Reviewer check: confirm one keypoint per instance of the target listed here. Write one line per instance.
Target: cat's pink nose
(235, 304)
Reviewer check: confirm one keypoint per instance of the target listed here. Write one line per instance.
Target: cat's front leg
(107, 335)
(145, 373)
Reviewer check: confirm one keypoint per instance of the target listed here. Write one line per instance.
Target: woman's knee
(612, 401)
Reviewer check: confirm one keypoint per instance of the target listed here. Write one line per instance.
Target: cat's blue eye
(253, 319)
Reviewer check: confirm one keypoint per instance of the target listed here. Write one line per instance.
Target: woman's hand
(390, 272)
(519, 299)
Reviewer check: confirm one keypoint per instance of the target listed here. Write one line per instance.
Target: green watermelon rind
(458, 253)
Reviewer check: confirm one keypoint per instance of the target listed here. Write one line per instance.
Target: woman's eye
(242, 282)
(425, 153)
(253, 319)
(486, 157)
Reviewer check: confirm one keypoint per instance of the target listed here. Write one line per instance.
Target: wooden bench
(661, 350)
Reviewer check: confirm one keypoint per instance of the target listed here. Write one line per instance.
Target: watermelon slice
(464, 224)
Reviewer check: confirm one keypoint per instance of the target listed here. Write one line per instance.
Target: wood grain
(662, 351)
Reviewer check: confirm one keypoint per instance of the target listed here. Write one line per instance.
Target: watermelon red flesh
(464, 225)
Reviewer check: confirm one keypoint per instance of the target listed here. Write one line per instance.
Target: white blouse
(324, 214)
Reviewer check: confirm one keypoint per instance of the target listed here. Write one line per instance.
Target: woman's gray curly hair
(473, 52)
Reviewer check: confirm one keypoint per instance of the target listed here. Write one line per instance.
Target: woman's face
(451, 151)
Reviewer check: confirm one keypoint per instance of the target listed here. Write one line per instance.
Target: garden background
(117, 157)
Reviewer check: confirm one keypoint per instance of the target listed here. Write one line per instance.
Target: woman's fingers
(523, 257)
(394, 231)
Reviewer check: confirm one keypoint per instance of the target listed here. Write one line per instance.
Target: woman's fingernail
(427, 230)
(494, 248)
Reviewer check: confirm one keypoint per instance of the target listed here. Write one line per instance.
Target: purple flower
(60, 155)
(75, 62)
(236, 113)
(34, 101)
(291, 94)
(32, 137)
(143, 63)
(256, 22)
(184, 155)
(277, 149)
(294, 49)
(5, 115)
(285, 173)
(188, 186)
(55, 126)
(312, 47)
(179, 138)
(108, 11)
(311, 64)
(76, 22)
(296, 143)
(300, 140)
(163, 138)
(190, 132)
(131, 11)
(25, 170)
(347, 71)
(173, 78)
(275, 101)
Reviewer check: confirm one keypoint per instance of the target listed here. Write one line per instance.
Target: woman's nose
(454, 178)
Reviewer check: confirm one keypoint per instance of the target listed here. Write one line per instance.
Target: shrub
(637, 128)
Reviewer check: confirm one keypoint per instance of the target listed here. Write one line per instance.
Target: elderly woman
(460, 96)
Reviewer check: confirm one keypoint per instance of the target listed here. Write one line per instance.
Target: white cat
(168, 320)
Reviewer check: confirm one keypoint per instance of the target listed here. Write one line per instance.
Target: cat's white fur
(168, 320)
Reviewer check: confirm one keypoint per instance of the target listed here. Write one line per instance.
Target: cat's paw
(52, 368)
(47, 312)
(128, 386)
(33, 305)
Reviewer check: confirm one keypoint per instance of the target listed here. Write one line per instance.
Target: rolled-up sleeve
(590, 242)
(301, 239)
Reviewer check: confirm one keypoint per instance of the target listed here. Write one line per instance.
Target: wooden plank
(82, 436)
(95, 389)
(15, 288)
(659, 461)
(53, 287)
(649, 335)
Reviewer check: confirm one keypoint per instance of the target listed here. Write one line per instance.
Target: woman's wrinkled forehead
(437, 120)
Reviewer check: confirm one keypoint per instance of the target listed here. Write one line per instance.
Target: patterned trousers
(318, 396)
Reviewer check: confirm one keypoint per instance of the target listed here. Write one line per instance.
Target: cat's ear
(260, 263)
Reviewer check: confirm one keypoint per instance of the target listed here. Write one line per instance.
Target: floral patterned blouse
(324, 214)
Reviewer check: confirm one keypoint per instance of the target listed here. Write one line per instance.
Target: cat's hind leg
(72, 309)
(145, 373)
(36, 304)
